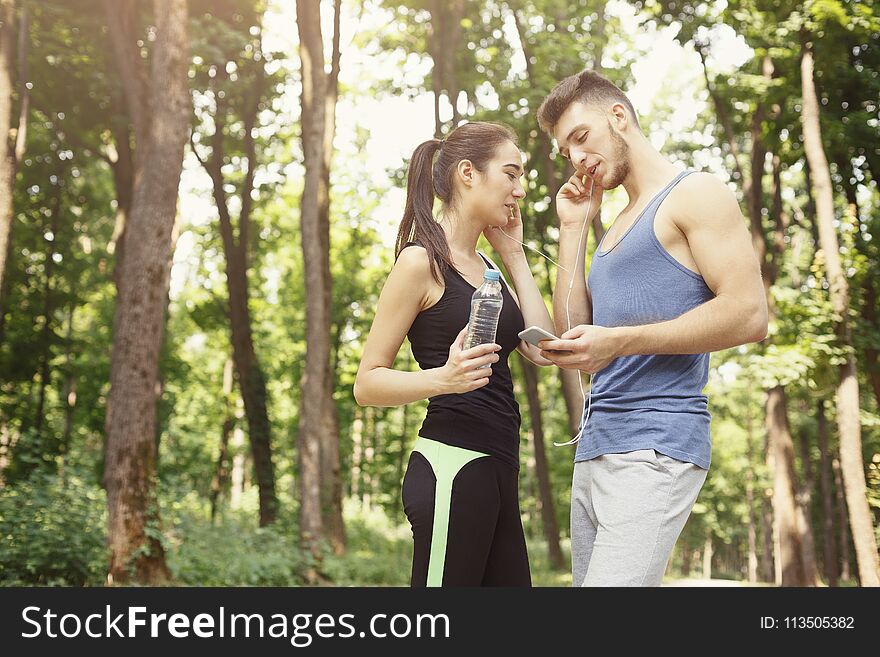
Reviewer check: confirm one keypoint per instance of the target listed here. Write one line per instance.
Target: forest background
(198, 203)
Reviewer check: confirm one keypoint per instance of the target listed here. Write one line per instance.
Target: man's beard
(618, 173)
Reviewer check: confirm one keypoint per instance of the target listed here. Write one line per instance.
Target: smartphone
(535, 334)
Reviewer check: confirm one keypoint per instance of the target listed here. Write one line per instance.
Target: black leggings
(476, 538)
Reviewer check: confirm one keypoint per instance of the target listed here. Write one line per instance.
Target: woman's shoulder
(412, 269)
(413, 258)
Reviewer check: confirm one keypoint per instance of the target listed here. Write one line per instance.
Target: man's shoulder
(700, 196)
(701, 183)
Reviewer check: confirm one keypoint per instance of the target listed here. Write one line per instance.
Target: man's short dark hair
(587, 87)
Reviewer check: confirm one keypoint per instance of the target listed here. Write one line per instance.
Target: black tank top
(487, 419)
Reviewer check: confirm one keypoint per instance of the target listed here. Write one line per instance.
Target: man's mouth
(592, 170)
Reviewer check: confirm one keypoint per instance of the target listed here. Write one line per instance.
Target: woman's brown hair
(427, 178)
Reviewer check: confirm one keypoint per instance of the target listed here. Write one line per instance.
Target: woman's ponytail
(418, 221)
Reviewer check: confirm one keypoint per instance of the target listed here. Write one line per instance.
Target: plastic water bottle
(485, 310)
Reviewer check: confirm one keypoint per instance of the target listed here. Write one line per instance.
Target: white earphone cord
(587, 397)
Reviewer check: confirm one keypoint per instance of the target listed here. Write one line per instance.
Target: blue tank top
(647, 401)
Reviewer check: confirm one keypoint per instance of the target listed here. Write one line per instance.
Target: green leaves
(52, 531)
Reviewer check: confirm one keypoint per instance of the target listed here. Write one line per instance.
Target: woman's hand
(503, 244)
(463, 371)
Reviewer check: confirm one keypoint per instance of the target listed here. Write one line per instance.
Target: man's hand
(574, 199)
(585, 347)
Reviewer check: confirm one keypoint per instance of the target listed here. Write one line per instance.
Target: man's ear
(466, 172)
(619, 116)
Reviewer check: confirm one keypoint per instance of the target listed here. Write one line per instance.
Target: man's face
(586, 137)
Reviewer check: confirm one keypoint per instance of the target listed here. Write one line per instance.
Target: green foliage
(234, 553)
(52, 531)
(379, 551)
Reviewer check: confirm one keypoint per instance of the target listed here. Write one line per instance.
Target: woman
(460, 487)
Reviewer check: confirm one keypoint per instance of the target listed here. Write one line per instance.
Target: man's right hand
(573, 200)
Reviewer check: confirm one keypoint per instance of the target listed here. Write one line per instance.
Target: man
(674, 278)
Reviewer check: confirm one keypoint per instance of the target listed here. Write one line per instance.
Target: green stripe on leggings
(446, 461)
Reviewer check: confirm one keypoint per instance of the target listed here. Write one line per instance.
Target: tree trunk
(129, 472)
(368, 467)
(456, 11)
(790, 566)
(48, 308)
(331, 476)
(253, 391)
(686, 559)
(24, 95)
(707, 558)
(7, 154)
(804, 499)
(872, 357)
(795, 558)
(317, 415)
(68, 393)
(357, 441)
(251, 380)
(768, 567)
(750, 498)
(852, 464)
(220, 480)
(548, 510)
(842, 521)
(239, 462)
(830, 552)
(443, 44)
(599, 37)
(123, 179)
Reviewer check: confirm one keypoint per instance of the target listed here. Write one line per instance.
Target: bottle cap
(492, 275)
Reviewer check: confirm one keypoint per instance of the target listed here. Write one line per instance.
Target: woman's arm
(403, 296)
(507, 244)
(530, 302)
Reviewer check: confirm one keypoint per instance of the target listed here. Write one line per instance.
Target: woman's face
(495, 190)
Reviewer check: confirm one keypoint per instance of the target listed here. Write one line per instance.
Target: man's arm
(707, 214)
(576, 205)
(571, 300)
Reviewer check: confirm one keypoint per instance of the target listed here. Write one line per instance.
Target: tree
(318, 435)
(548, 508)
(852, 465)
(235, 121)
(159, 104)
(10, 156)
(443, 44)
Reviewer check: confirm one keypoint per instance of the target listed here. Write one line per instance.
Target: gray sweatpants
(627, 511)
